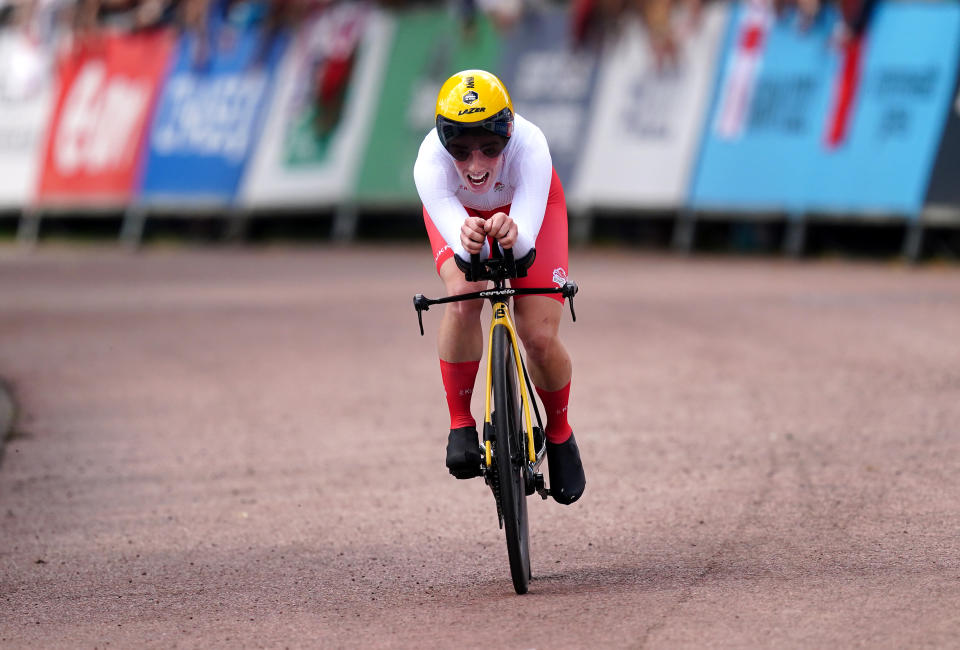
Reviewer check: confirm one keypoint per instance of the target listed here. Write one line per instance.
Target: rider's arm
(534, 173)
(437, 183)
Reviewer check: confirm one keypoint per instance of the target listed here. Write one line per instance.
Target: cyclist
(485, 178)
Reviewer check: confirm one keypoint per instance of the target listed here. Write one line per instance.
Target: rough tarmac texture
(223, 449)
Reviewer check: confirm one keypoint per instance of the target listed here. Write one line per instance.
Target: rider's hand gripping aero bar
(495, 267)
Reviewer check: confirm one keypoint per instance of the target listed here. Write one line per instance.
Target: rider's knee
(537, 341)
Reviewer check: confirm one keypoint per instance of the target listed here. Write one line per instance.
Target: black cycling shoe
(566, 471)
(463, 452)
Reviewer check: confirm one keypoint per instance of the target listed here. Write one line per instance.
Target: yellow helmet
(473, 99)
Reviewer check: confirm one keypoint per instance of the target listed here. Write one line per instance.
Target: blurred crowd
(592, 21)
(669, 22)
(36, 30)
(72, 20)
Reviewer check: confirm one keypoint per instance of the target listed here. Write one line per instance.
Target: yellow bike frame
(501, 317)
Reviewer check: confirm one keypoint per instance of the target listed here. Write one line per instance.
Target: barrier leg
(131, 232)
(684, 232)
(795, 241)
(913, 241)
(345, 224)
(28, 230)
(238, 225)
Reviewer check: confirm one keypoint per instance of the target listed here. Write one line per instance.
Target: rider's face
(478, 159)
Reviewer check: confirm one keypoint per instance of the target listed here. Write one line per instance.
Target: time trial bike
(513, 447)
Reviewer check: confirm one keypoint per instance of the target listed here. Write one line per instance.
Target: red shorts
(550, 266)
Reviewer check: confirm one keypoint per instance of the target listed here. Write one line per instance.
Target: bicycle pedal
(540, 486)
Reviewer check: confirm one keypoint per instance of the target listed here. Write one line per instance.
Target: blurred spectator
(856, 17)
(123, 15)
(666, 22)
(38, 20)
(23, 66)
(205, 21)
(33, 32)
(808, 10)
(503, 13)
(665, 34)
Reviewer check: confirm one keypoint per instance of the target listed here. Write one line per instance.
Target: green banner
(428, 47)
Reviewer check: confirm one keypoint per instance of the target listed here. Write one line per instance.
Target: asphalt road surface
(244, 448)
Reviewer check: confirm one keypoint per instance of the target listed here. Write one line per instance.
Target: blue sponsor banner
(551, 83)
(801, 125)
(902, 102)
(209, 113)
(765, 127)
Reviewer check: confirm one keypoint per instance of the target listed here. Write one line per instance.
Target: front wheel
(510, 457)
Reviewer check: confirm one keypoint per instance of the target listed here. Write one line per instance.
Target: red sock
(555, 404)
(458, 380)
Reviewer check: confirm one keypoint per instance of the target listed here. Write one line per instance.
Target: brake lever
(570, 289)
(421, 304)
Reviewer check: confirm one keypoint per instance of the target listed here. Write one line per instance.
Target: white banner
(26, 101)
(645, 124)
(323, 104)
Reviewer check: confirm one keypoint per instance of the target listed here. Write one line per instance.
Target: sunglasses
(490, 149)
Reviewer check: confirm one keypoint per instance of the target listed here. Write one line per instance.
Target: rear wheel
(509, 456)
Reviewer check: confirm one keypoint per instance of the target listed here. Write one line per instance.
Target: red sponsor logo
(99, 125)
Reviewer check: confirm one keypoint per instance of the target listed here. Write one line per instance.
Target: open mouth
(478, 179)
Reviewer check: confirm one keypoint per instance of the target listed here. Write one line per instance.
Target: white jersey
(523, 183)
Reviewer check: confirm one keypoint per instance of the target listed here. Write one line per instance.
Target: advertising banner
(550, 84)
(825, 128)
(208, 115)
(945, 180)
(26, 99)
(905, 88)
(765, 130)
(645, 123)
(323, 105)
(428, 46)
(107, 90)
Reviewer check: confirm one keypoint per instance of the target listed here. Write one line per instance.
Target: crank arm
(540, 487)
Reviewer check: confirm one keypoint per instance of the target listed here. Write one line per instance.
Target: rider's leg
(538, 324)
(460, 344)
